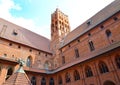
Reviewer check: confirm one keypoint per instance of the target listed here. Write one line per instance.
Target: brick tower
(59, 29)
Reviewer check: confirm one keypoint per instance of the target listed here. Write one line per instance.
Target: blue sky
(35, 15)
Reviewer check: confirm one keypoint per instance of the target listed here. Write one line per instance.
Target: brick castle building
(88, 55)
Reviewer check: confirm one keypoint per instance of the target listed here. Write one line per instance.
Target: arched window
(76, 75)
(103, 67)
(51, 82)
(88, 71)
(29, 61)
(33, 80)
(76, 52)
(108, 83)
(67, 77)
(47, 65)
(9, 72)
(117, 60)
(43, 81)
(60, 80)
(91, 45)
(108, 33)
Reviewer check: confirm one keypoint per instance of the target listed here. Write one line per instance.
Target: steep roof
(18, 78)
(23, 36)
(98, 18)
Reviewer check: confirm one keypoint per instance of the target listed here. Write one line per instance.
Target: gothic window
(29, 61)
(33, 80)
(43, 81)
(46, 65)
(9, 72)
(60, 80)
(103, 67)
(76, 75)
(76, 52)
(108, 33)
(88, 71)
(117, 60)
(91, 45)
(63, 59)
(67, 77)
(51, 82)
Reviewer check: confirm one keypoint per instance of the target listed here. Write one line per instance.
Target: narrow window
(51, 82)
(60, 80)
(91, 45)
(103, 67)
(88, 71)
(117, 60)
(43, 81)
(29, 61)
(67, 77)
(33, 80)
(76, 52)
(76, 75)
(108, 33)
(63, 59)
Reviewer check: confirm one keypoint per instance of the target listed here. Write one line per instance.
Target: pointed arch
(59, 80)
(33, 80)
(9, 72)
(51, 82)
(29, 61)
(76, 75)
(88, 71)
(43, 81)
(103, 67)
(76, 53)
(67, 77)
(91, 45)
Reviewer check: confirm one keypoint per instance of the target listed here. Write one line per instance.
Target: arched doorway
(109, 83)
(9, 72)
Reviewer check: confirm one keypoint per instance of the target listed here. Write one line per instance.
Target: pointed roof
(23, 36)
(98, 18)
(18, 78)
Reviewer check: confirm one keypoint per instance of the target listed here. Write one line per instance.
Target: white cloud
(79, 11)
(7, 5)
